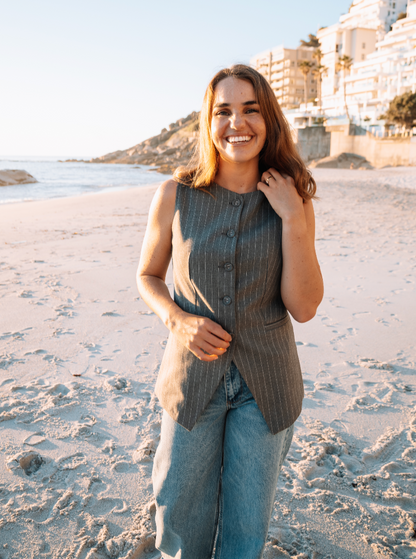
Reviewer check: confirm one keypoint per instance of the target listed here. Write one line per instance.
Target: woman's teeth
(238, 139)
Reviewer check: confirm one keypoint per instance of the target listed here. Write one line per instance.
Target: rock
(25, 462)
(342, 161)
(9, 177)
(31, 463)
(166, 151)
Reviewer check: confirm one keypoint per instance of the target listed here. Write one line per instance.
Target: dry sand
(80, 353)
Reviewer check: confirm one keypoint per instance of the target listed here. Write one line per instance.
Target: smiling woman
(230, 382)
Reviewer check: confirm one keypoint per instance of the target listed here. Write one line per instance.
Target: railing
(391, 134)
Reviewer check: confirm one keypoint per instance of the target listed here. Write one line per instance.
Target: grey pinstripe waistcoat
(227, 262)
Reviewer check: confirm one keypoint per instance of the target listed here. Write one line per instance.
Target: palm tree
(313, 41)
(305, 67)
(318, 55)
(344, 64)
(318, 72)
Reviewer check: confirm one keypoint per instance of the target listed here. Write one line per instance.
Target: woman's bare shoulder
(167, 191)
(165, 197)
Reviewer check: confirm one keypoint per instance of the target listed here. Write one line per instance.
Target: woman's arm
(302, 285)
(203, 337)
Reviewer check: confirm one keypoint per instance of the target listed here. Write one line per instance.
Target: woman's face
(237, 127)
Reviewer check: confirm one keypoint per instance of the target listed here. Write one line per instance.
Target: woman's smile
(238, 140)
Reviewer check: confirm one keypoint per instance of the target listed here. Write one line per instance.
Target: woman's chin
(239, 157)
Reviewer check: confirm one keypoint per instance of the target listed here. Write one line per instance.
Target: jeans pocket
(277, 323)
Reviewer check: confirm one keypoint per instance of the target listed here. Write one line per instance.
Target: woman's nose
(236, 120)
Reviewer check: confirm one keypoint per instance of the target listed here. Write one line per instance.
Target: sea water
(57, 180)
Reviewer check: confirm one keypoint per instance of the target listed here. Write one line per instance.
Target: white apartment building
(337, 41)
(355, 35)
(387, 72)
(373, 14)
(280, 67)
(361, 35)
(383, 50)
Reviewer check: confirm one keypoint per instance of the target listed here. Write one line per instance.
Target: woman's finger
(217, 331)
(208, 348)
(203, 356)
(215, 341)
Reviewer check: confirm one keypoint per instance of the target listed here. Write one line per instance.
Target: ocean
(57, 180)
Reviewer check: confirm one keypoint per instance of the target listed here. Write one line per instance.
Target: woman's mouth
(238, 139)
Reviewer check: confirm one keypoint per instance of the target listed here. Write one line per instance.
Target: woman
(239, 227)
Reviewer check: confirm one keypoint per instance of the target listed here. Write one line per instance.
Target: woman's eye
(252, 111)
(221, 113)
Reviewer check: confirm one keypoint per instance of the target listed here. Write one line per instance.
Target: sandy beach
(80, 353)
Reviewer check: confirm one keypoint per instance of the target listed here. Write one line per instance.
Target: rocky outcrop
(166, 151)
(342, 161)
(9, 177)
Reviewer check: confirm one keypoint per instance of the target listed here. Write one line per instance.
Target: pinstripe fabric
(230, 246)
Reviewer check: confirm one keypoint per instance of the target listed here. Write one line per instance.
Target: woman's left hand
(282, 195)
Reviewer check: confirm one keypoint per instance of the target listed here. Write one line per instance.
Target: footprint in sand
(117, 384)
(26, 294)
(110, 313)
(65, 310)
(145, 452)
(14, 335)
(35, 439)
(8, 359)
(369, 363)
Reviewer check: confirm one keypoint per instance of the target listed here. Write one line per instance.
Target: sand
(80, 353)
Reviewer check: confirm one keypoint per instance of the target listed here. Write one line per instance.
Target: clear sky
(87, 77)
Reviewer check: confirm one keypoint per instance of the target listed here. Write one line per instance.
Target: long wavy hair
(278, 152)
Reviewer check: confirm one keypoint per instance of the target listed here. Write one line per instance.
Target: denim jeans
(217, 483)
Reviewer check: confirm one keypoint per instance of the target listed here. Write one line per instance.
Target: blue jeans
(217, 483)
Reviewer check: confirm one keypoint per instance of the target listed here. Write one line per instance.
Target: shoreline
(401, 177)
(56, 180)
(105, 190)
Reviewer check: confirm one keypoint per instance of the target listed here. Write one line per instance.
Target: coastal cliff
(166, 151)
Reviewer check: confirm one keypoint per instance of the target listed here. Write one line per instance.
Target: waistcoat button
(228, 267)
(226, 300)
(231, 233)
(236, 203)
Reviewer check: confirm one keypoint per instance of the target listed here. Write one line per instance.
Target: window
(394, 4)
(363, 45)
(388, 13)
(363, 57)
(336, 48)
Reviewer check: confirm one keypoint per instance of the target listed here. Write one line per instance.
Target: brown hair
(279, 150)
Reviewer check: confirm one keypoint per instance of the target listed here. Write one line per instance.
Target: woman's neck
(238, 177)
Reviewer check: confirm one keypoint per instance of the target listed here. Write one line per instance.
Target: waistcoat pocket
(277, 323)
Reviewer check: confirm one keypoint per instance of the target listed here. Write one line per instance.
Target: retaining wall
(313, 142)
(378, 151)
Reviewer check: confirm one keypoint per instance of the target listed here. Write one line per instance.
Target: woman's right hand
(206, 339)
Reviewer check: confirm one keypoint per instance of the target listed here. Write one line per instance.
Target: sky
(87, 77)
